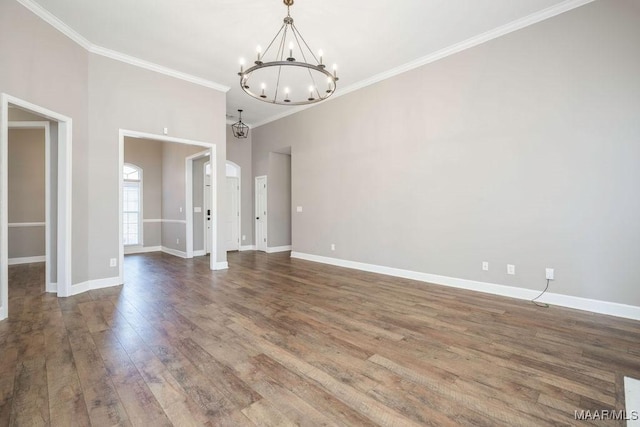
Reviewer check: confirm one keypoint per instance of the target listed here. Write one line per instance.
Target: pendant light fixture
(240, 130)
(288, 72)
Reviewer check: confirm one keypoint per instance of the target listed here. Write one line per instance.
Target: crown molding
(500, 31)
(141, 63)
(56, 23)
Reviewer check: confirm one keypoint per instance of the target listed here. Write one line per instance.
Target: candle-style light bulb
(286, 95)
(241, 66)
(259, 51)
(311, 98)
(329, 80)
(320, 55)
(335, 71)
(263, 86)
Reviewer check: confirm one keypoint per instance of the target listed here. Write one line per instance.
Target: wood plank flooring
(275, 341)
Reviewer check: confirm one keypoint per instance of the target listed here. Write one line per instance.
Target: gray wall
(239, 152)
(147, 154)
(26, 194)
(44, 67)
(279, 200)
(523, 150)
(102, 95)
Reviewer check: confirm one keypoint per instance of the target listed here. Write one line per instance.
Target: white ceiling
(205, 38)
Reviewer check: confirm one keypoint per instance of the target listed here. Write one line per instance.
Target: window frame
(139, 183)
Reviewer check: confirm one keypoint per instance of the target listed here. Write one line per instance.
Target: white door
(207, 207)
(232, 235)
(261, 213)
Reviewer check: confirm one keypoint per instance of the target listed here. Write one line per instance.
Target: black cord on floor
(541, 304)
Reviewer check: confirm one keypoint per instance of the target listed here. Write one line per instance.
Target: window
(132, 205)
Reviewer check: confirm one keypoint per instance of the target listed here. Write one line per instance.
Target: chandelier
(278, 77)
(239, 129)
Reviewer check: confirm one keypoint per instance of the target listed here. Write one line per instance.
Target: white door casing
(207, 208)
(261, 213)
(63, 242)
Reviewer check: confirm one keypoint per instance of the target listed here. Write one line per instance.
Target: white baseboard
(173, 252)
(128, 250)
(53, 288)
(247, 248)
(595, 306)
(26, 260)
(222, 265)
(201, 252)
(274, 249)
(91, 285)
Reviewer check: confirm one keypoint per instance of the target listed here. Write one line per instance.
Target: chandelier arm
(295, 30)
(283, 41)
(274, 39)
(275, 96)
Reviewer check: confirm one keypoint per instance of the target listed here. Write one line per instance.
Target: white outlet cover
(549, 273)
(333, 247)
(197, 209)
(244, 237)
(113, 262)
(298, 208)
(511, 269)
(485, 266)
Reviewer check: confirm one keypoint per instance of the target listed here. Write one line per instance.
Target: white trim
(174, 221)
(602, 307)
(56, 23)
(52, 20)
(211, 147)
(128, 250)
(151, 220)
(189, 196)
(27, 260)
(274, 249)
(632, 401)
(247, 248)
(239, 170)
(500, 31)
(64, 214)
(52, 288)
(174, 252)
(255, 213)
(221, 265)
(91, 285)
(26, 224)
(160, 69)
(200, 252)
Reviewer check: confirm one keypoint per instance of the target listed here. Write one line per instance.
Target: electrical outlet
(485, 266)
(244, 237)
(511, 269)
(165, 131)
(180, 208)
(298, 208)
(178, 241)
(549, 273)
(113, 262)
(333, 246)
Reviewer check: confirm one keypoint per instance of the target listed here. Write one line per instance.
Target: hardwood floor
(274, 342)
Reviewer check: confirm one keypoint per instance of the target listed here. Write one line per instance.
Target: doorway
(186, 225)
(233, 215)
(261, 213)
(57, 207)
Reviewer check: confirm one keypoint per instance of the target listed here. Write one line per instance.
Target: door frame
(266, 188)
(239, 190)
(210, 148)
(64, 169)
(189, 197)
